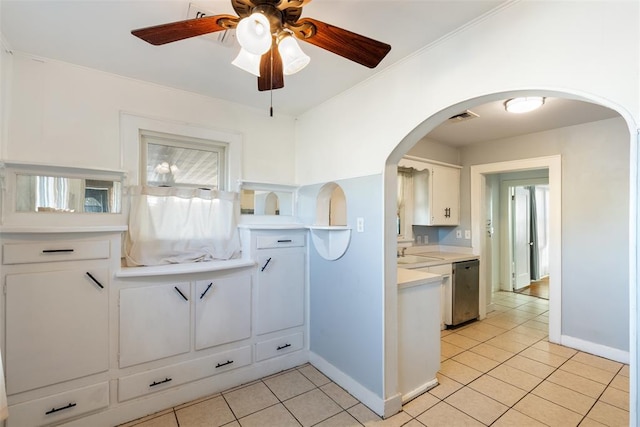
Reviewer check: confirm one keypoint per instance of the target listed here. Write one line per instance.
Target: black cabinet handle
(53, 251)
(62, 408)
(282, 347)
(285, 241)
(164, 381)
(206, 290)
(95, 280)
(228, 362)
(181, 294)
(265, 264)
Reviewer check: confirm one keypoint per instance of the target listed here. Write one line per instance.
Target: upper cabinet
(436, 191)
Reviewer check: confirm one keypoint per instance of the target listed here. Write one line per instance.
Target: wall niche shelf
(331, 235)
(331, 242)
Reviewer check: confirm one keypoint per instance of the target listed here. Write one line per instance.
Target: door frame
(478, 180)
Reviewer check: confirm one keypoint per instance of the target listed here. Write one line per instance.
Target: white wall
(68, 115)
(579, 47)
(589, 49)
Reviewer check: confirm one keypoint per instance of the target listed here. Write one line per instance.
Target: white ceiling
(96, 34)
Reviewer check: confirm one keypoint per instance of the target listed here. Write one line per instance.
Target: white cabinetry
(280, 289)
(154, 322)
(56, 323)
(445, 291)
(436, 192)
(418, 332)
(223, 311)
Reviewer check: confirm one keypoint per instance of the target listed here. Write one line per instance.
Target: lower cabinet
(223, 310)
(54, 409)
(49, 313)
(154, 322)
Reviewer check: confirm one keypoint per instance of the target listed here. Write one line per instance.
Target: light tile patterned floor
(499, 372)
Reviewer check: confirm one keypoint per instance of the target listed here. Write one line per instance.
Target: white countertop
(430, 259)
(408, 278)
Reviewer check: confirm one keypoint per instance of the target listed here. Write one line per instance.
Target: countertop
(428, 258)
(408, 278)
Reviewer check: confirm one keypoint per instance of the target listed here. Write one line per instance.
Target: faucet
(400, 252)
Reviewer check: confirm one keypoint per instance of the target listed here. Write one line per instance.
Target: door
(154, 322)
(57, 327)
(223, 310)
(521, 272)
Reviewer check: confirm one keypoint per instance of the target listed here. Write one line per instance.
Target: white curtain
(169, 225)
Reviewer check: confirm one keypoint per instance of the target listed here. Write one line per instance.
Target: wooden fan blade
(271, 75)
(174, 31)
(357, 48)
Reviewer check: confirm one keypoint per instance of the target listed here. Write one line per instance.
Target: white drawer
(279, 346)
(280, 241)
(23, 253)
(180, 373)
(57, 408)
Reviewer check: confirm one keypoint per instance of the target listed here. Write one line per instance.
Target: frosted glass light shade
(293, 58)
(254, 34)
(248, 62)
(523, 105)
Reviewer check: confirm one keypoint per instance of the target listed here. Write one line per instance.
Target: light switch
(360, 224)
(458, 234)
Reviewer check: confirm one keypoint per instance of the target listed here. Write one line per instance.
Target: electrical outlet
(360, 224)
(425, 240)
(458, 234)
(467, 234)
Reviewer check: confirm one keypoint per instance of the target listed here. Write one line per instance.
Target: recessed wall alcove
(330, 234)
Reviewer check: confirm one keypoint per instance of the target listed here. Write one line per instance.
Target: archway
(390, 237)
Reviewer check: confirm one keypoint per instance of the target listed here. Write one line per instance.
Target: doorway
(523, 231)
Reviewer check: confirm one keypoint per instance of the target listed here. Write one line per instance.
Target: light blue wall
(595, 221)
(346, 308)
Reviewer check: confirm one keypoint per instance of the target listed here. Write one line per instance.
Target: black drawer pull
(265, 264)
(164, 381)
(181, 294)
(228, 362)
(282, 347)
(95, 280)
(54, 410)
(285, 241)
(53, 251)
(206, 290)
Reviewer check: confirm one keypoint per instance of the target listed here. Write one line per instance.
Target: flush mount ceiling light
(523, 105)
(266, 31)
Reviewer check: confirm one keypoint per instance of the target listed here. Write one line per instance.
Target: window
(177, 161)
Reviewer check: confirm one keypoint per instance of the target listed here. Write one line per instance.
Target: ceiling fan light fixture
(293, 58)
(254, 33)
(248, 62)
(523, 105)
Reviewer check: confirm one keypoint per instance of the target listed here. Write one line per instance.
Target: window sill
(186, 268)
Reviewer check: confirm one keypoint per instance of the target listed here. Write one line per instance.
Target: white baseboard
(596, 349)
(382, 407)
(420, 390)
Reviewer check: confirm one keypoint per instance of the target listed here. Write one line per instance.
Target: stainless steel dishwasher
(465, 291)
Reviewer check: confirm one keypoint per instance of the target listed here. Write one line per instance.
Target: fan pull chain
(271, 83)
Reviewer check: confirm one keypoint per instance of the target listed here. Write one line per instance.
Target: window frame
(188, 143)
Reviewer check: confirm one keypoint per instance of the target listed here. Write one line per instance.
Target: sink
(416, 259)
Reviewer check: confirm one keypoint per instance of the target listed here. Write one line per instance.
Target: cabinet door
(223, 310)
(154, 322)
(56, 327)
(445, 195)
(280, 294)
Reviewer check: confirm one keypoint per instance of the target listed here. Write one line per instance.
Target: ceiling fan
(267, 31)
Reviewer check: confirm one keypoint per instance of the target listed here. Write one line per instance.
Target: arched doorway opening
(475, 219)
